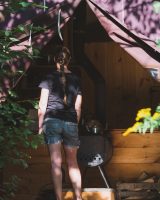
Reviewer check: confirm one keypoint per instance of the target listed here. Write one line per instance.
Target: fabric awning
(123, 20)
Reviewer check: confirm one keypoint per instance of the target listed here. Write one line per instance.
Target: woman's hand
(40, 131)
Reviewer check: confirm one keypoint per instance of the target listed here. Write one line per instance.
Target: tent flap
(137, 42)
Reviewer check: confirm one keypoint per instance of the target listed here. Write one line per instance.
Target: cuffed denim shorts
(59, 131)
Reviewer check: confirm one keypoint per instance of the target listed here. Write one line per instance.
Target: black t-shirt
(56, 107)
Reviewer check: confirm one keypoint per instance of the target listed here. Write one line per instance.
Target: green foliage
(8, 38)
(9, 188)
(15, 133)
(12, 6)
(16, 136)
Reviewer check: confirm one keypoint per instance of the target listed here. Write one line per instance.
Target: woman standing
(59, 113)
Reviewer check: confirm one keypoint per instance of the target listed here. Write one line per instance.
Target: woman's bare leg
(74, 171)
(56, 161)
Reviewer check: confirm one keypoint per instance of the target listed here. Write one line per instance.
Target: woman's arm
(78, 104)
(42, 107)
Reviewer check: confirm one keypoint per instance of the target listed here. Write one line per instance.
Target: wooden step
(87, 194)
(92, 194)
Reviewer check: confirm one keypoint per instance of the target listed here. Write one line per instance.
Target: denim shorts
(59, 131)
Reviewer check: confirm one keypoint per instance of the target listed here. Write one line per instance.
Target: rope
(30, 39)
(59, 24)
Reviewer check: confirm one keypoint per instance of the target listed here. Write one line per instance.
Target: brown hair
(62, 55)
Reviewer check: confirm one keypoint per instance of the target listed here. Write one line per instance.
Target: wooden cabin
(115, 87)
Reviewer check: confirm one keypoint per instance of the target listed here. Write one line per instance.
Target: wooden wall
(129, 87)
(88, 88)
(132, 155)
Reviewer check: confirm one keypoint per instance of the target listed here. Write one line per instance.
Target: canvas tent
(134, 25)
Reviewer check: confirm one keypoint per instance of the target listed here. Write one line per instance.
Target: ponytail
(63, 57)
(63, 81)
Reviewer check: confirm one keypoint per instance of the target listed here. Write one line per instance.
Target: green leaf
(146, 125)
(152, 129)
(36, 52)
(21, 28)
(158, 108)
(156, 7)
(25, 4)
(7, 33)
(4, 58)
(158, 43)
(34, 103)
(13, 39)
(12, 93)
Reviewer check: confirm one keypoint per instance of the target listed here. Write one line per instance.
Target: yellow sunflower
(146, 112)
(132, 129)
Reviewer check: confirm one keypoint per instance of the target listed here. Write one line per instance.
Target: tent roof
(121, 19)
